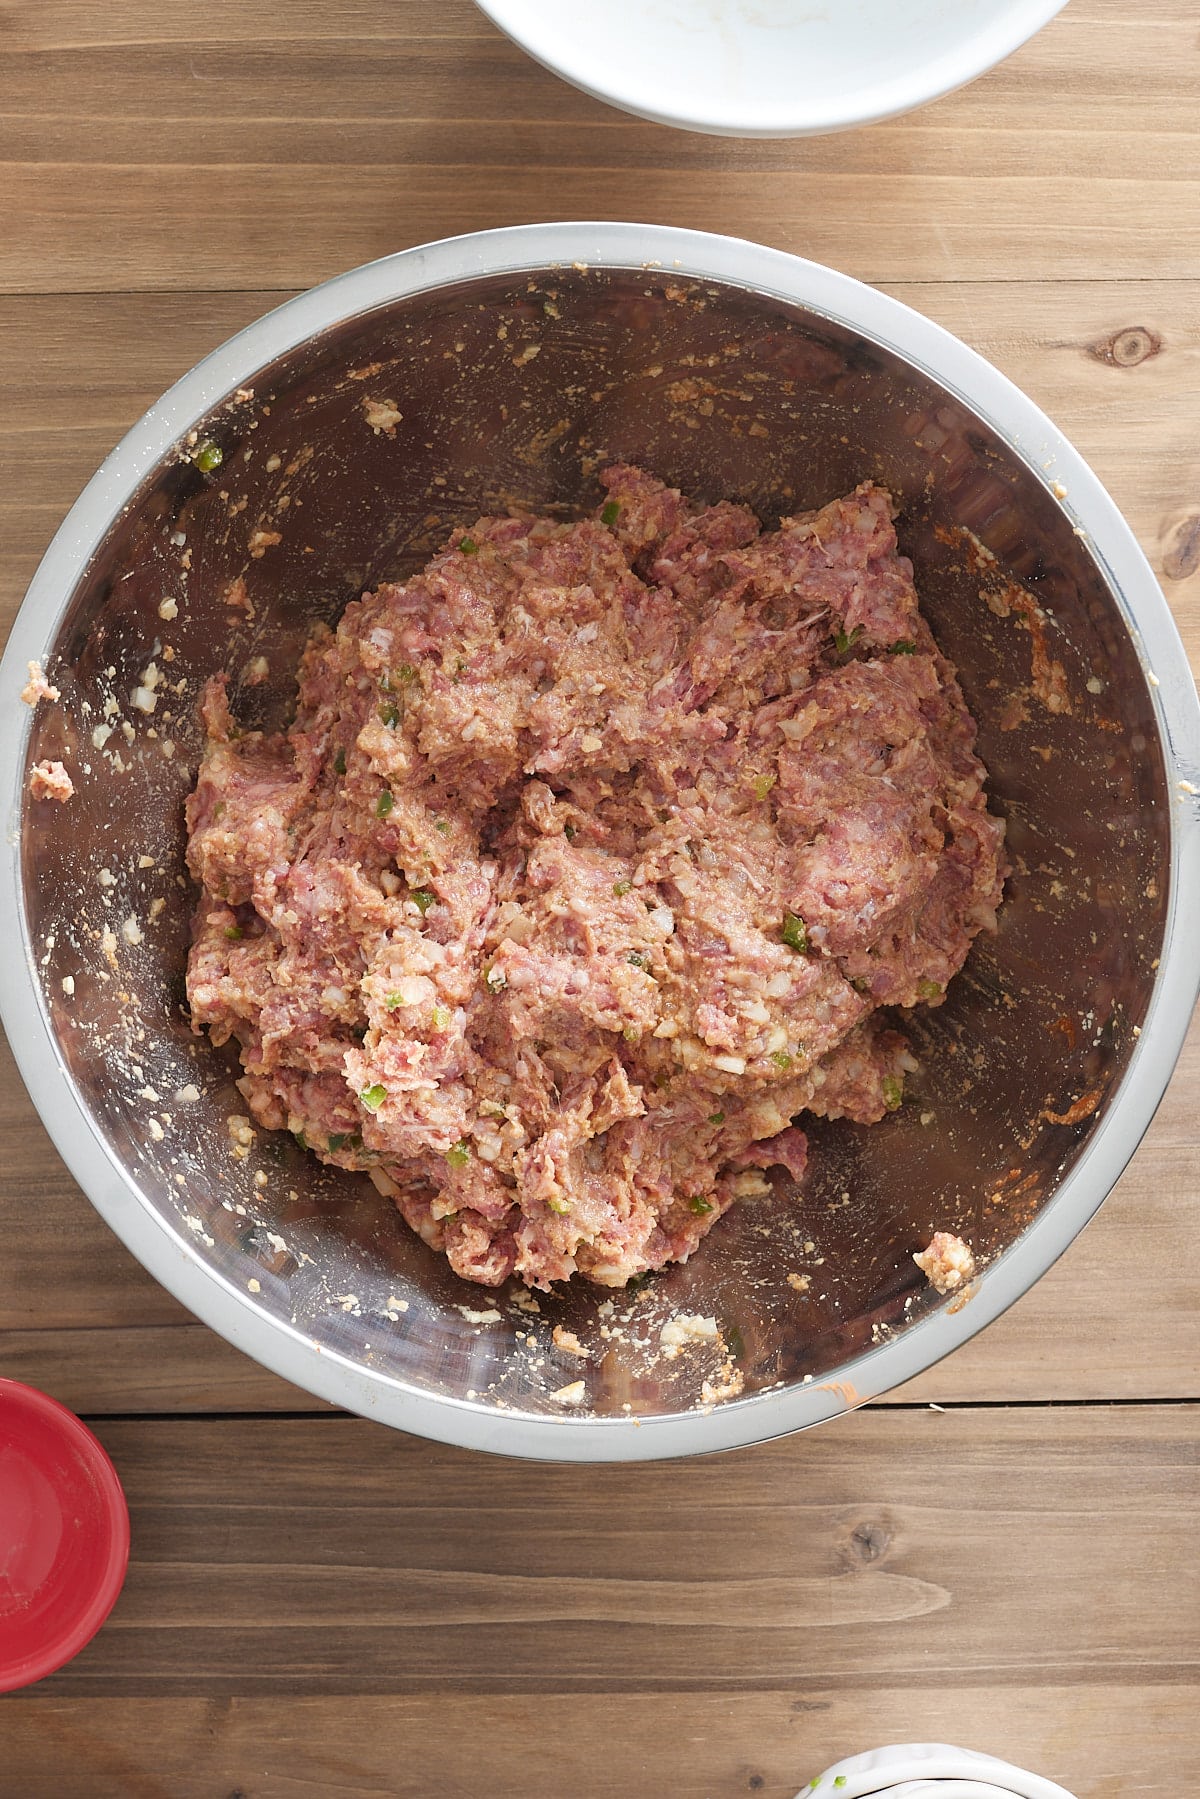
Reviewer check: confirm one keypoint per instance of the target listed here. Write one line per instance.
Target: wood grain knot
(1125, 349)
(864, 1542)
(1181, 551)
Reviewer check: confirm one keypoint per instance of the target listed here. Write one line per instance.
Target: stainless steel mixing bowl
(518, 360)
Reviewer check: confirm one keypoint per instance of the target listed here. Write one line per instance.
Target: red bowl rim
(56, 1651)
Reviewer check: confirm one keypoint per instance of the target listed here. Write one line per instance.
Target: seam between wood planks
(900, 1405)
(1100, 279)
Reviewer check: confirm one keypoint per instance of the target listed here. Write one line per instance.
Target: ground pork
(588, 860)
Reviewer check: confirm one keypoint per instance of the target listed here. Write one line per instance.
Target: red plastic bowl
(64, 1535)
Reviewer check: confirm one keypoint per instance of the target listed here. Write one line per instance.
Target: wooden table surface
(1002, 1554)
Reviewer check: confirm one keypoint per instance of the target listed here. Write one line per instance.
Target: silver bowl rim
(931, 351)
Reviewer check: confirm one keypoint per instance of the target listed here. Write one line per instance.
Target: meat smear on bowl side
(586, 867)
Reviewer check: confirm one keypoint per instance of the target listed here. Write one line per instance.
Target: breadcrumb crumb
(947, 1263)
(574, 1394)
(50, 781)
(37, 687)
(382, 415)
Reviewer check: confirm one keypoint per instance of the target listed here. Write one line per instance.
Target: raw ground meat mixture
(585, 867)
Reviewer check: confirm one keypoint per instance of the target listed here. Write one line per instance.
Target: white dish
(928, 1771)
(769, 68)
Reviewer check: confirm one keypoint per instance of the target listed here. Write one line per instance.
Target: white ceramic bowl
(928, 1771)
(769, 68)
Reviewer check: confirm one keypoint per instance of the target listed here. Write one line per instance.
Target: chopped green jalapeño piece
(638, 958)
(389, 713)
(339, 763)
(468, 546)
(716, 1118)
(893, 1092)
(929, 990)
(763, 785)
(699, 1205)
(459, 1154)
(384, 803)
(208, 456)
(621, 888)
(422, 898)
(373, 1097)
(795, 932)
(610, 512)
(844, 642)
(904, 646)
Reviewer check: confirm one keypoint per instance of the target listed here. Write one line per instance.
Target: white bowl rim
(907, 1770)
(992, 44)
(283, 1348)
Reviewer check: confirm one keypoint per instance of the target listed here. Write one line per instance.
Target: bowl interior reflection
(513, 391)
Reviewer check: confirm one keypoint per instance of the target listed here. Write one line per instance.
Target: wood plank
(402, 100)
(178, 1367)
(52, 24)
(907, 1550)
(143, 154)
(559, 128)
(99, 228)
(544, 1746)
